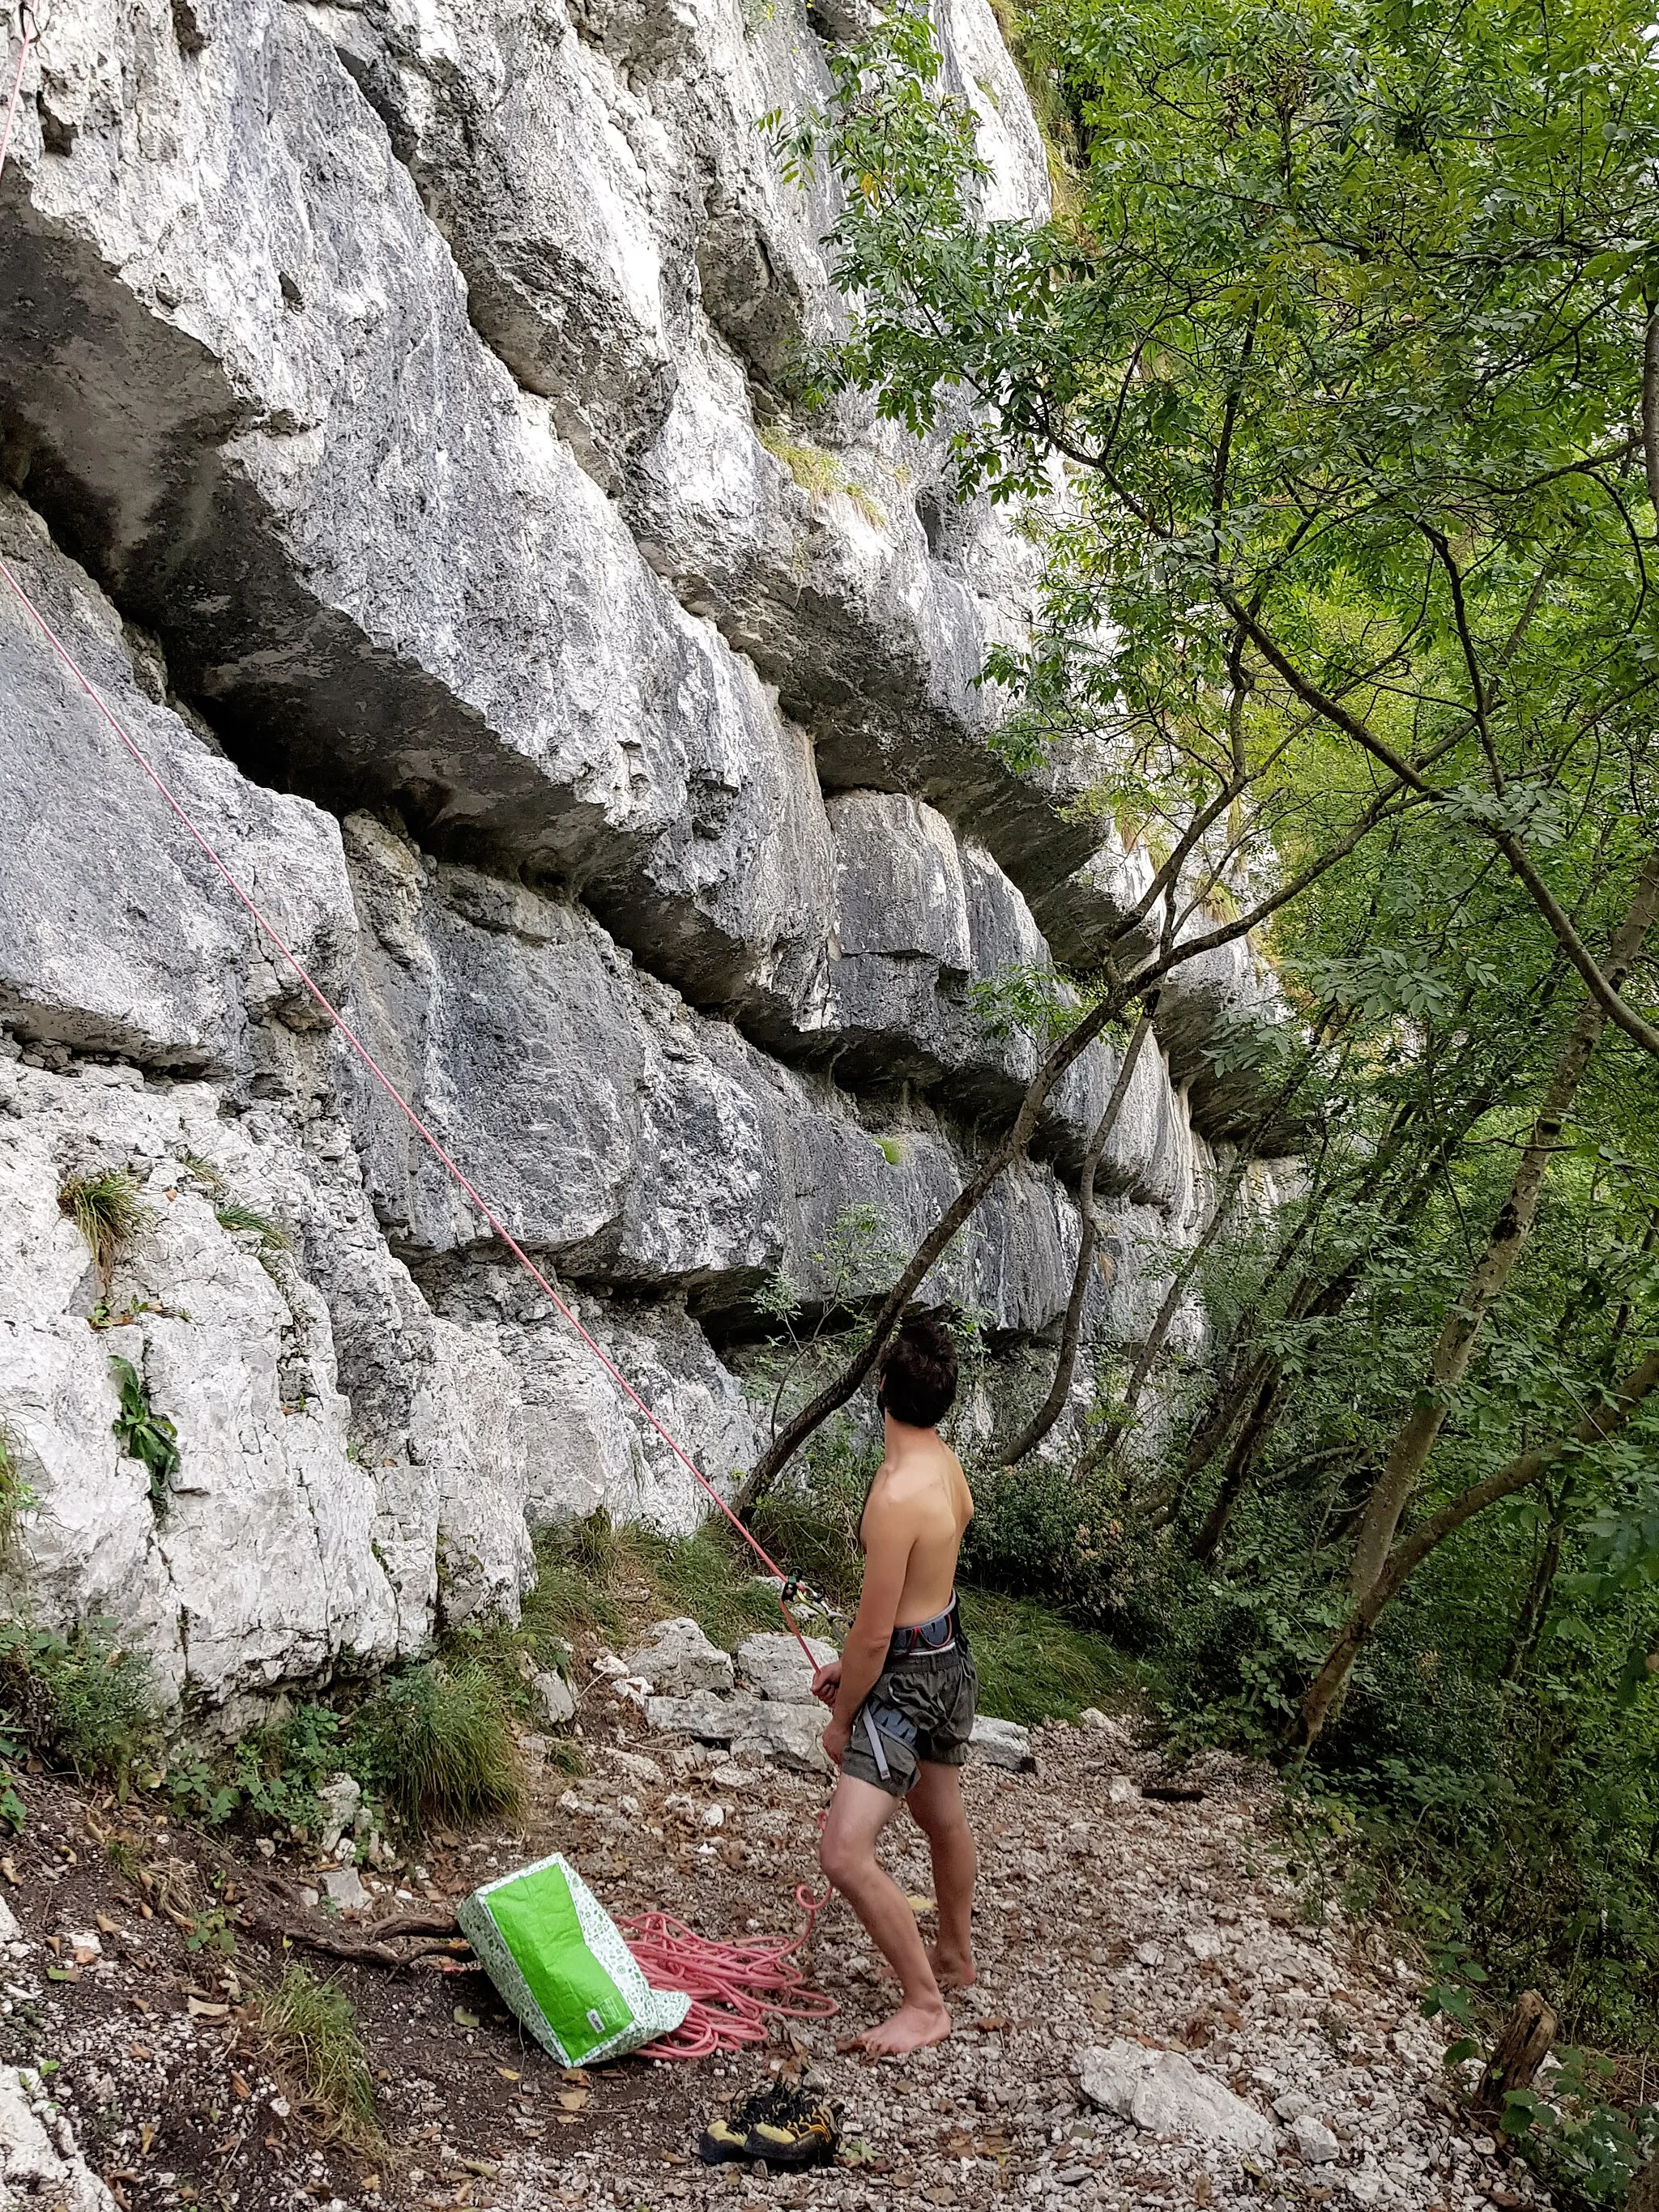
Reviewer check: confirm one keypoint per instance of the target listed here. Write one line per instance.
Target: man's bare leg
(858, 1813)
(936, 1804)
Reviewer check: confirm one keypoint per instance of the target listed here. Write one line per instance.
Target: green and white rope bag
(562, 1966)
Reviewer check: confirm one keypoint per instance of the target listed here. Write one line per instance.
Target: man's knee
(843, 1857)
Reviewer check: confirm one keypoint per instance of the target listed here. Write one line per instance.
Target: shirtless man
(903, 1693)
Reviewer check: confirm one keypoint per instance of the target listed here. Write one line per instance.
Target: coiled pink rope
(735, 1987)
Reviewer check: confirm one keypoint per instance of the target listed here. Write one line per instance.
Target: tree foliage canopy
(1343, 360)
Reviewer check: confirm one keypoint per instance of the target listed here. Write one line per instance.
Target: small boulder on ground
(792, 1734)
(340, 1798)
(1003, 1743)
(553, 1700)
(1317, 2145)
(771, 1664)
(707, 1716)
(344, 1887)
(679, 1660)
(1165, 2094)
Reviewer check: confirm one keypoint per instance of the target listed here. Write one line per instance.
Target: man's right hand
(826, 1682)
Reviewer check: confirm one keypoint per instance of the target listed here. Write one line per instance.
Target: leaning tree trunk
(1605, 1420)
(1066, 1364)
(1416, 1436)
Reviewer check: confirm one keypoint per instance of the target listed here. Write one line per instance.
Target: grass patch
(601, 1579)
(108, 1210)
(1034, 1666)
(313, 2033)
(79, 1699)
(819, 475)
(17, 1498)
(435, 1743)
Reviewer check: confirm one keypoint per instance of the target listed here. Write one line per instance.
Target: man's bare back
(920, 1501)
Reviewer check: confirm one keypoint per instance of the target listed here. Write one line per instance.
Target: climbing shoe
(780, 2123)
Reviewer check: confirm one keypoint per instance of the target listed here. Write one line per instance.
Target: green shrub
(312, 2033)
(108, 1210)
(434, 1742)
(79, 1698)
(272, 1775)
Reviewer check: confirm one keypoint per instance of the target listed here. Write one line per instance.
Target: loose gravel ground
(1103, 1914)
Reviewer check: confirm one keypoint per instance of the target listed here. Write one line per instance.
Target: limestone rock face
(397, 435)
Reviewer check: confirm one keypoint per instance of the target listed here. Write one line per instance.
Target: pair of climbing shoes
(780, 2124)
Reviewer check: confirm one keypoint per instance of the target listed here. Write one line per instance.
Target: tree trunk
(1236, 1474)
(1524, 2045)
(1417, 1435)
(1109, 1439)
(1529, 1622)
(932, 1248)
(1066, 1365)
(1409, 1552)
(1009, 1148)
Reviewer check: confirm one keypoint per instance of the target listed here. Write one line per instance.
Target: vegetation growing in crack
(145, 1435)
(17, 1497)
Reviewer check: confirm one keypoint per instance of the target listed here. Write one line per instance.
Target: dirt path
(1104, 1916)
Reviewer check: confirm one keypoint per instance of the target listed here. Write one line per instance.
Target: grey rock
(553, 1700)
(1293, 2104)
(637, 1764)
(340, 1798)
(1165, 2094)
(34, 2169)
(679, 1660)
(1317, 2145)
(344, 1887)
(1003, 1743)
(792, 1734)
(710, 1718)
(771, 1664)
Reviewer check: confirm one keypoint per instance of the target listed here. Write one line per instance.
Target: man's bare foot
(952, 1969)
(912, 2027)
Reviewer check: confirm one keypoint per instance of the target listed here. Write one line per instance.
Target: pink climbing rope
(736, 1988)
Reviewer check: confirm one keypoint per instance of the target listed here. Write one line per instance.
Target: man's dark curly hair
(918, 1371)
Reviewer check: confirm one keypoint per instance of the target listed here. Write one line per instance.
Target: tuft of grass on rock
(108, 1210)
(313, 2033)
(233, 1216)
(436, 1744)
(17, 1497)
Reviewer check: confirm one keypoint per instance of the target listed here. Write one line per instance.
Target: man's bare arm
(889, 1537)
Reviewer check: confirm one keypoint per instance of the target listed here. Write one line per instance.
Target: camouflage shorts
(921, 1709)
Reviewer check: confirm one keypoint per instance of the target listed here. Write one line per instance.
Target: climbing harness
(734, 1987)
